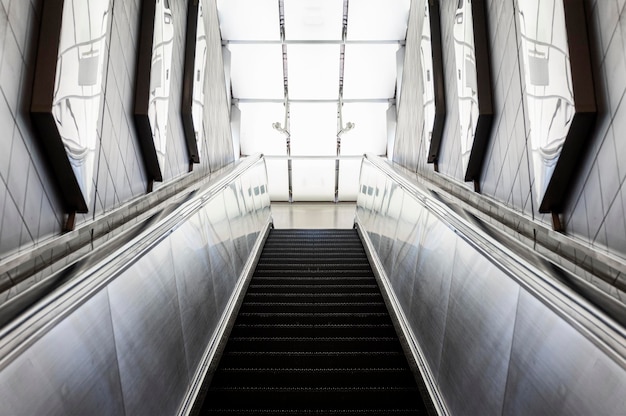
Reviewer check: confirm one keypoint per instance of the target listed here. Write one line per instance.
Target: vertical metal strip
(342, 53)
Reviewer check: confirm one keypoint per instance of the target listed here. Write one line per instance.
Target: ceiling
(312, 55)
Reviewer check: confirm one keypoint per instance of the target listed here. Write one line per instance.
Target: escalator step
(317, 330)
(303, 344)
(297, 412)
(315, 318)
(313, 377)
(317, 397)
(317, 288)
(299, 307)
(313, 336)
(313, 359)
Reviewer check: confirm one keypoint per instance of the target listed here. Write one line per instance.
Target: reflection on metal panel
(478, 334)
(68, 93)
(433, 94)
(193, 285)
(193, 80)
(70, 370)
(579, 379)
(495, 335)
(152, 93)
(432, 287)
(133, 334)
(473, 84)
(148, 334)
(557, 90)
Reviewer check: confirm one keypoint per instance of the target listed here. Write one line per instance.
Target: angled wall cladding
(31, 210)
(594, 212)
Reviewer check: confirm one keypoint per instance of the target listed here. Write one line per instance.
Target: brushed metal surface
(194, 286)
(70, 370)
(478, 334)
(495, 332)
(130, 336)
(148, 334)
(221, 251)
(555, 370)
(429, 307)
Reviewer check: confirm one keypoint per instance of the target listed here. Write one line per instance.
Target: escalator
(313, 336)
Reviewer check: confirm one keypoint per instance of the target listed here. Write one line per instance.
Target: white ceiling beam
(313, 101)
(313, 42)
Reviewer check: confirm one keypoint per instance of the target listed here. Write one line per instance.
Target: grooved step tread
(296, 412)
(313, 336)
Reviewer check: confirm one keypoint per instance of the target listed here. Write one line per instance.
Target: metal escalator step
(300, 344)
(313, 336)
(314, 377)
(316, 330)
(261, 307)
(312, 297)
(330, 256)
(310, 280)
(313, 359)
(318, 288)
(298, 412)
(317, 397)
(314, 266)
(313, 273)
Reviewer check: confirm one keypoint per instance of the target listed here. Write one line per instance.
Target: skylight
(309, 72)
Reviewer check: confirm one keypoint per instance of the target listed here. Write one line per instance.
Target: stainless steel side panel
(431, 292)
(555, 370)
(148, 334)
(133, 337)
(478, 335)
(493, 335)
(194, 286)
(70, 370)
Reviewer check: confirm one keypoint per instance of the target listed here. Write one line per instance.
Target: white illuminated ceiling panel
(349, 171)
(313, 129)
(370, 132)
(370, 71)
(256, 132)
(313, 19)
(249, 19)
(313, 71)
(313, 180)
(378, 19)
(257, 71)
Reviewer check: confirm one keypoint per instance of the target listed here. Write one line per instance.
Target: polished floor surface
(313, 214)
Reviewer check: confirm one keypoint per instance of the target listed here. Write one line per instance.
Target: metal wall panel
(577, 379)
(431, 292)
(194, 286)
(478, 335)
(136, 343)
(70, 370)
(148, 334)
(486, 344)
(221, 251)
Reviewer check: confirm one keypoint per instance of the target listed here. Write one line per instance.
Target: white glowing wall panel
(313, 180)
(249, 19)
(277, 182)
(370, 71)
(313, 19)
(370, 132)
(256, 132)
(313, 129)
(378, 19)
(313, 71)
(349, 171)
(257, 71)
